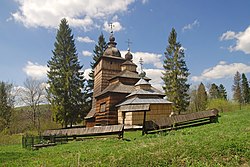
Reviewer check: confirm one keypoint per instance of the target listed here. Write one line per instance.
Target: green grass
(226, 143)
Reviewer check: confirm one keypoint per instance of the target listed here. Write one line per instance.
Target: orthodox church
(120, 94)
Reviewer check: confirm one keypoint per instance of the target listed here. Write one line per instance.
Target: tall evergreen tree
(201, 97)
(222, 92)
(245, 90)
(99, 50)
(6, 105)
(214, 91)
(65, 78)
(176, 74)
(236, 88)
(237, 96)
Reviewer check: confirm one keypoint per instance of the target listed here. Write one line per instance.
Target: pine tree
(237, 96)
(222, 92)
(6, 105)
(245, 90)
(214, 91)
(176, 74)
(201, 97)
(65, 80)
(99, 50)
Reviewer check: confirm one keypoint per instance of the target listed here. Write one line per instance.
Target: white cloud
(85, 14)
(155, 76)
(190, 26)
(86, 53)
(228, 35)
(35, 70)
(221, 70)
(148, 58)
(116, 26)
(86, 73)
(85, 39)
(242, 40)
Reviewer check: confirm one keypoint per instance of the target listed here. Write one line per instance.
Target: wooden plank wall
(156, 112)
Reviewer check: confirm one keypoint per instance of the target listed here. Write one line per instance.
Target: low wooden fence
(56, 136)
(35, 142)
(181, 121)
(87, 132)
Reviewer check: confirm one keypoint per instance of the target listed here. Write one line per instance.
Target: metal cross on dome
(128, 42)
(111, 27)
(141, 63)
(142, 74)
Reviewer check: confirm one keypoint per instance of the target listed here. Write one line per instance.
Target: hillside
(226, 143)
(21, 120)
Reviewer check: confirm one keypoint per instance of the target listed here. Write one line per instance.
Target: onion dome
(111, 49)
(128, 56)
(142, 74)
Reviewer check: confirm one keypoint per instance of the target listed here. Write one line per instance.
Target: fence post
(32, 141)
(23, 141)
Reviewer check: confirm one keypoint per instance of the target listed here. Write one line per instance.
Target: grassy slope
(223, 144)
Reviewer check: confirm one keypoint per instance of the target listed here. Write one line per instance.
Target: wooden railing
(181, 121)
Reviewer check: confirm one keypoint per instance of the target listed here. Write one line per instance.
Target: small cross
(142, 74)
(129, 42)
(111, 27)
(141, 63)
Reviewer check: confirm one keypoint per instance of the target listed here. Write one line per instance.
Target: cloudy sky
(214, 34)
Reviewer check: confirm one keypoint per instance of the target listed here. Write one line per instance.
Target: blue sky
(214, 34)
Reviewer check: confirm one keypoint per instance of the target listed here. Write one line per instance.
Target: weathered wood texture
(82, 132)
(157, 111)
(180, 120)
(90, 122)
(110, 116)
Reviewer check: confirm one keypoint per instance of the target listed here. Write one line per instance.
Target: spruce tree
(99, 50)
(222, 92)
(214, 91)
(6, 105)
(175, 75)
(245, 90)
(237, 96)
(201, 97)
(65, 79)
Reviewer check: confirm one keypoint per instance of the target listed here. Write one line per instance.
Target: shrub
(223, 105)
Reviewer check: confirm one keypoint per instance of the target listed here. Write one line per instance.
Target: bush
(223, 105)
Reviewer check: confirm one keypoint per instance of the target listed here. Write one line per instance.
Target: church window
(103, 107)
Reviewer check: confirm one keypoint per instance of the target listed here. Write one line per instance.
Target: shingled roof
(144, 100)
(128, 74)
(150, 95)
(117, 88)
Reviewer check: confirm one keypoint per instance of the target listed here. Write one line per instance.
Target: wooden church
(120, 94)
